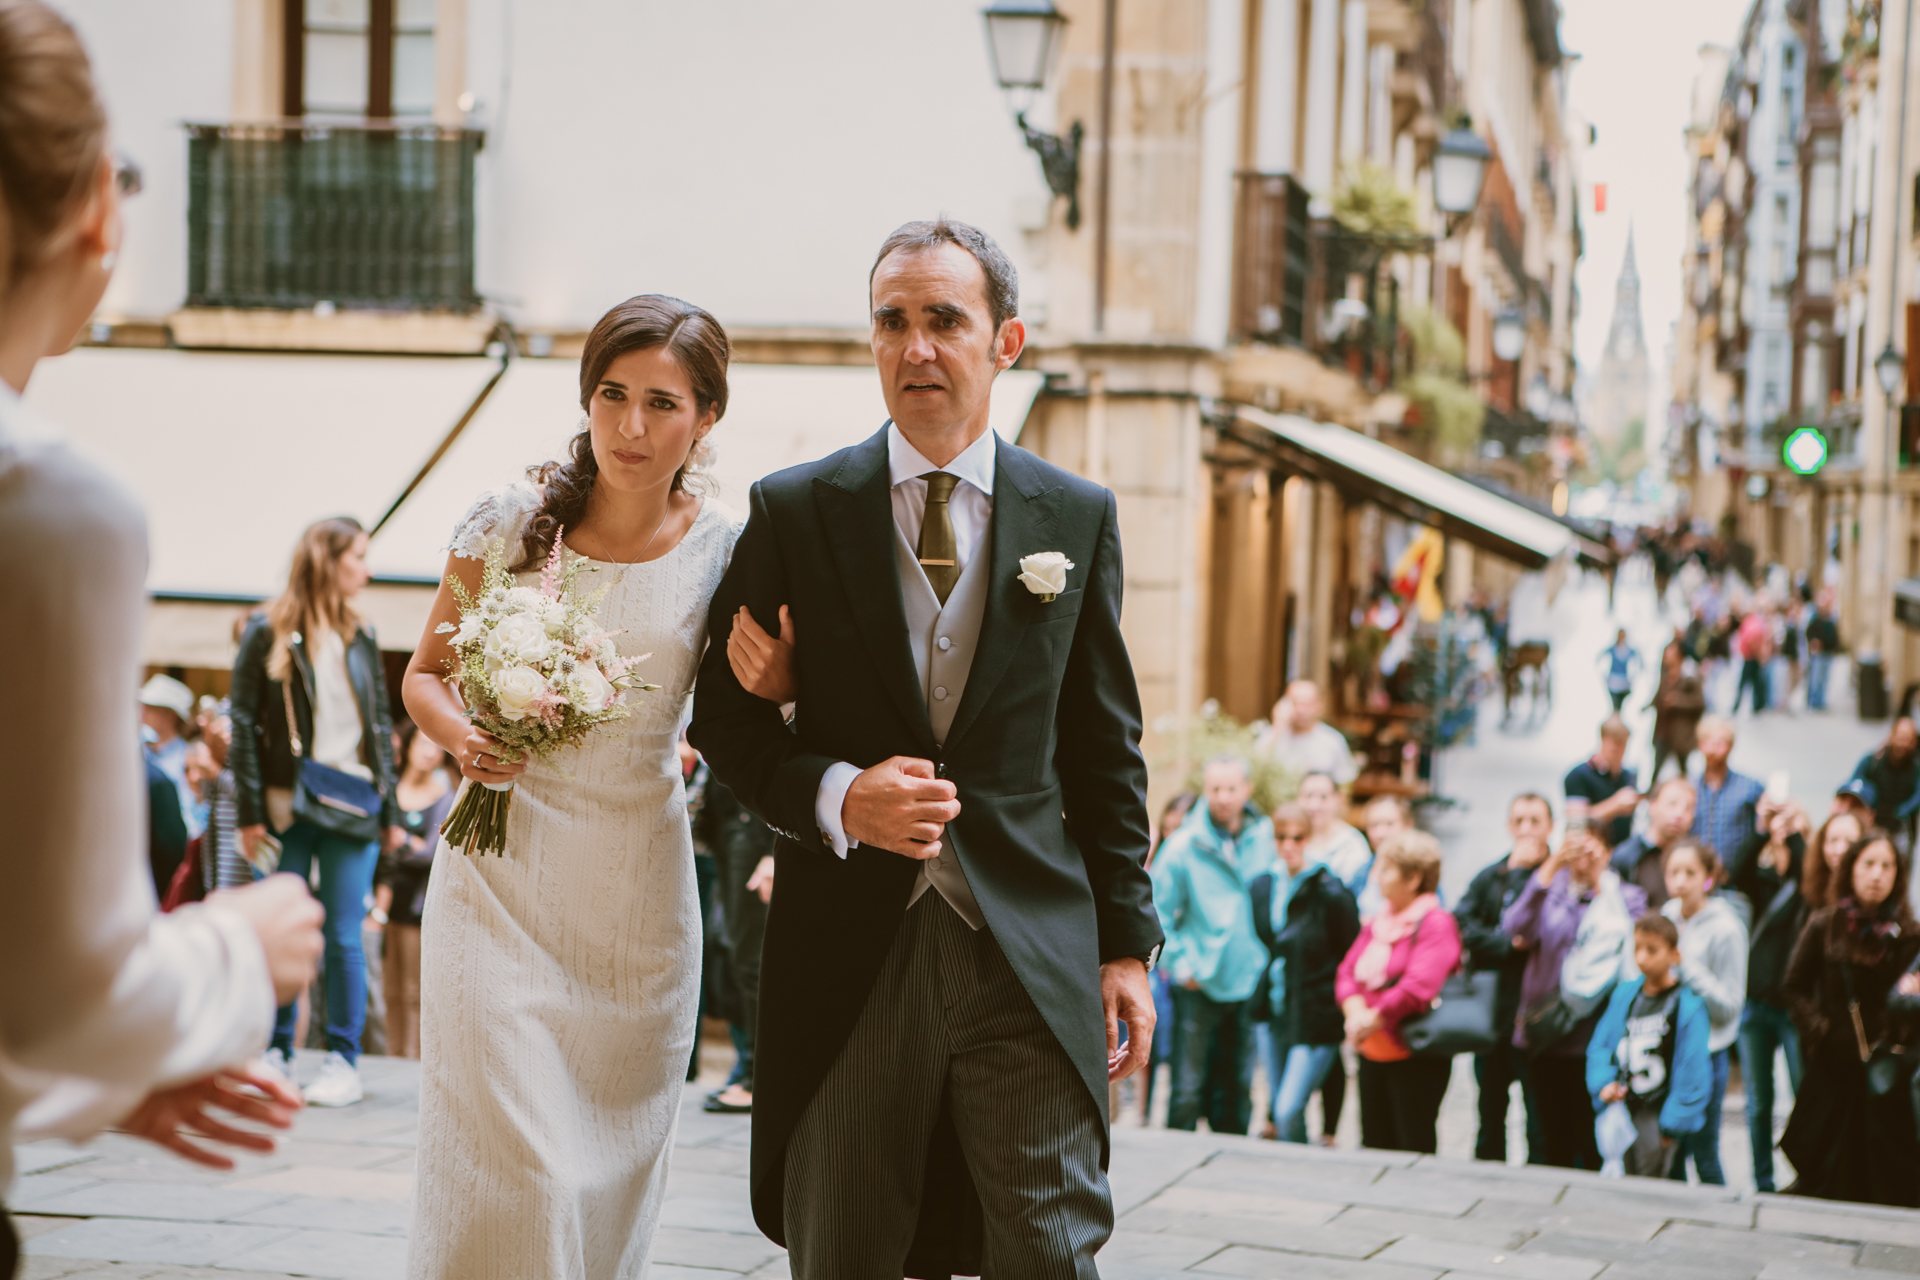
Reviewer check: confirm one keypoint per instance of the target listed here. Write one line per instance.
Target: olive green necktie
(939, 553)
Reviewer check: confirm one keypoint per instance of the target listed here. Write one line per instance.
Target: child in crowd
(1713, 937)
(1650, 1051)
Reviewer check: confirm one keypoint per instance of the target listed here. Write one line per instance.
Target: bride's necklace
(620, 577)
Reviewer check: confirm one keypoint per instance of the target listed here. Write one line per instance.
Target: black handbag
(1556, 1019)
(1887, 1065)
(337, 802)
(1464, 1017)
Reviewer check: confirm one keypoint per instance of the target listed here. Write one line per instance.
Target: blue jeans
(1765, 1029)
(1704, 1143)
(1302, 1069)
(1819, 667)
(1212, 1063)
(346, 878)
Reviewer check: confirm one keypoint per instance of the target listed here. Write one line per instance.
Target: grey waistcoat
(943, 641)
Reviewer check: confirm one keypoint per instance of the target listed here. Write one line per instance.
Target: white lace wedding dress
(559, 982)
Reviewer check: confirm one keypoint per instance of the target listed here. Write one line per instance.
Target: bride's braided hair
(694, 339)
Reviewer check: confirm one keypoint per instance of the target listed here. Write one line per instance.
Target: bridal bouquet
(537, 672)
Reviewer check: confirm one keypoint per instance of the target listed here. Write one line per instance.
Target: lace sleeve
(497, 513)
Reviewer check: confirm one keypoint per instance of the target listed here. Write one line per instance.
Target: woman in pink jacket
(1393, 972)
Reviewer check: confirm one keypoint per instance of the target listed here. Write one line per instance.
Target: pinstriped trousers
(947, 1017)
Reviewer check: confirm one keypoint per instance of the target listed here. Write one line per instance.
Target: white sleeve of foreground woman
(101, 998)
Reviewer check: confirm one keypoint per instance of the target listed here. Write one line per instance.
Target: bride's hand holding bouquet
(537, 673)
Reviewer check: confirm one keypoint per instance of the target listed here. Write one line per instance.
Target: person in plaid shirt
(1727, 813)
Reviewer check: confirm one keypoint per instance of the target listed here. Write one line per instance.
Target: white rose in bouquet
(594, 691)
(526, 600)
(554, 615)
(516, 690)
(519, 639)
(472, 627)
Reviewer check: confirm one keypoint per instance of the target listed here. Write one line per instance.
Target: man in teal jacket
(1213, 957)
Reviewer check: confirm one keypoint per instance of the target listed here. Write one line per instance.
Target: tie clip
(949, 564)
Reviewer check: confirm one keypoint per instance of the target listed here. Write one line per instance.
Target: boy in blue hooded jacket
(1650, 1051)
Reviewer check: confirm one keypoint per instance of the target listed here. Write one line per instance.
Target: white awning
(1400, 482)
(233, 455)
(777, 416)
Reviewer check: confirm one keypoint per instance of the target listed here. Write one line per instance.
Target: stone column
(449, 62)
(259, 59)
(1353, 84)
(1323, 104)
(1279, 83)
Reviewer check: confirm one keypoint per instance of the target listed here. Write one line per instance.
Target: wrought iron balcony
(365, 216)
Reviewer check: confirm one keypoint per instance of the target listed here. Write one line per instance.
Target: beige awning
(777, 416)
(233, 455)
(1402, 483)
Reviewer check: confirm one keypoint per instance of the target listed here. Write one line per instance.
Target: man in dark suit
(960, 805)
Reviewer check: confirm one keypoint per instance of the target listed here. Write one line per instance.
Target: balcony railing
(1270, 258)
(288, 216)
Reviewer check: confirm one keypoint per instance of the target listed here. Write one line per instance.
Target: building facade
(1244, 232)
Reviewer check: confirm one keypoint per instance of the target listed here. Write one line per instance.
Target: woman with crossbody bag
(1852, 1132)
(312, 759)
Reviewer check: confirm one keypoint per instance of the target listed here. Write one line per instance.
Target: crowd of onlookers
(1629, 969)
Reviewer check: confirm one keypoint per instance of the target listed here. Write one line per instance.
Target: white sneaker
(280, 1063)
(338, 1085)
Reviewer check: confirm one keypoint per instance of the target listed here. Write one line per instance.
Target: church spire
(1625, 337)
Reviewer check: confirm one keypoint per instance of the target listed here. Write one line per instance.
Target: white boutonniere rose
(1045, 573)
(516, 690)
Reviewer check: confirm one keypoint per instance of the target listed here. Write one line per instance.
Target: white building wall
(747, 157)
(157, 66)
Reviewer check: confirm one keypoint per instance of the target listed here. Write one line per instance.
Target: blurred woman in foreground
(110, 1012)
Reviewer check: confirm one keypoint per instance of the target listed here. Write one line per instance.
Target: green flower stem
(478, 823)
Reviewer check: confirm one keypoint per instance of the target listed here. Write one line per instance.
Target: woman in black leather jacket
(1308, 919)
(309, 686)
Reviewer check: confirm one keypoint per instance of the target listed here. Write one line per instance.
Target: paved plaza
(334, 1200)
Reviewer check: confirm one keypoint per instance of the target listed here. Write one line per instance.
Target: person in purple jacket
(1577, 917)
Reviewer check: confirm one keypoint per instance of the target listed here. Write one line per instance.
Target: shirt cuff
(832, 797)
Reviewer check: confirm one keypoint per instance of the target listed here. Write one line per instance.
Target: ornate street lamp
(1890, 369)
(1509, 334)
(1022, 38)
(1459, 171)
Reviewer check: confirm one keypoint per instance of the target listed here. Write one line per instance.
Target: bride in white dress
(559, 982)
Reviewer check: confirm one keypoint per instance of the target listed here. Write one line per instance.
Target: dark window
(368, 59)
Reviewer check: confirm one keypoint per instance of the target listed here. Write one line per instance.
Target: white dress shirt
(104, 997)
(971, 507)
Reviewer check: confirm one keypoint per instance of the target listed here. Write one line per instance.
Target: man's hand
(1615, 1092)
(287, 921)
(1126, 997)
(1620, 802)
(1517, 942)
(168, 1114)
(761, 881)
(900, 805)
(763, 665)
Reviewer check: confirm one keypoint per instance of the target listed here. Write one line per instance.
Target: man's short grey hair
(1003, 282)
(1244, 765)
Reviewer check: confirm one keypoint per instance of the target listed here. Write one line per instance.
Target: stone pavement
(333, 1203)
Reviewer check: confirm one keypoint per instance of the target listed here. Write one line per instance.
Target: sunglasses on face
(127, 178)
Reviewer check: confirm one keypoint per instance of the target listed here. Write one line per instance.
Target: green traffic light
(1805, 451)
